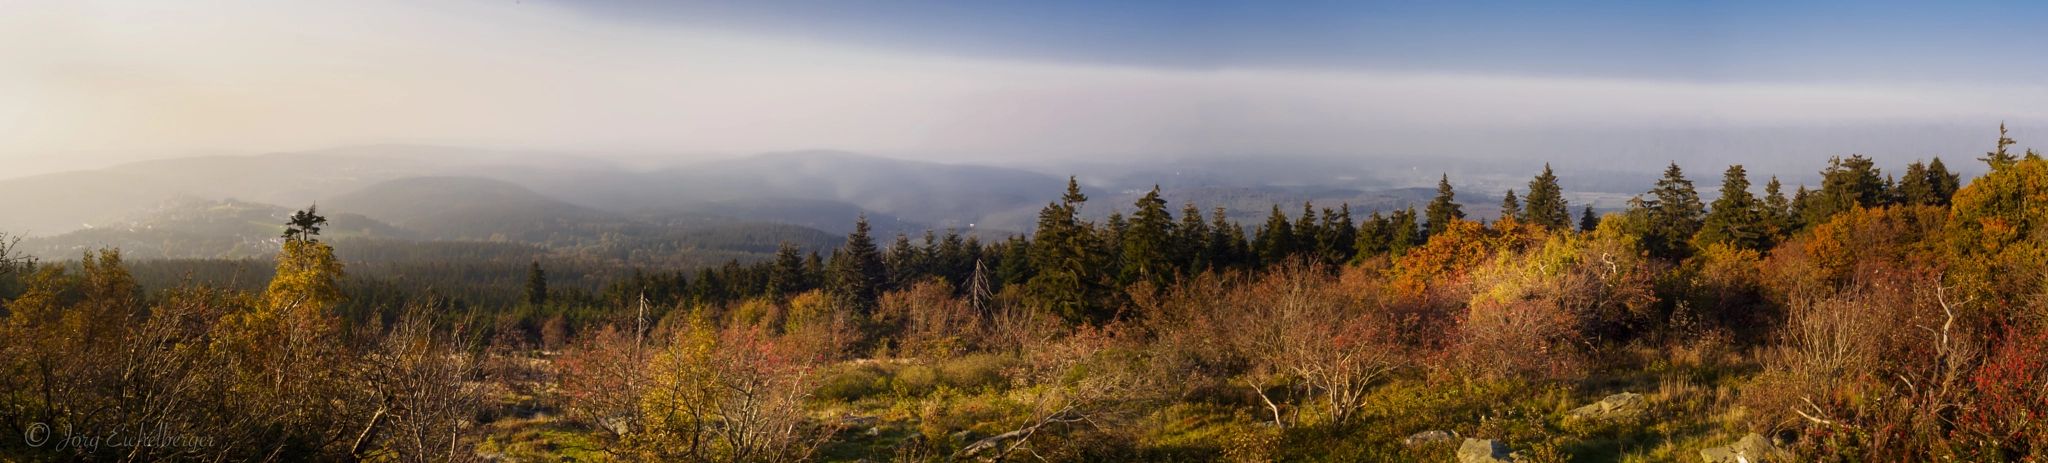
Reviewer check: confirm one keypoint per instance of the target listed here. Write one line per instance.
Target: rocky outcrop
(1485, 451)
(1429, 437)
(1752, 448)
(1621, 405)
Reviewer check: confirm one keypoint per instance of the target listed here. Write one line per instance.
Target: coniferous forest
(1878, 316)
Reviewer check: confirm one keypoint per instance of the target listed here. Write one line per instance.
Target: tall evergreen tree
(905, 263)
(1375, 237)
(536, 285)
(1913, 188)
(1069, 274)
(1443, 209)
(1777, 209)
(786, 273)
(1275, 240)
(1588, 222)
(815, 272)
(1674, 215)
(1191, 239)
(1545, 206)
(1510, 207)
(1227, 245)
(1148, 245)
(1847, 184)
(1308, 230)
(1340, 236)
(1998, 159)
(1736, 219)
(858, 274)
(1404, 233)
(1942, 184)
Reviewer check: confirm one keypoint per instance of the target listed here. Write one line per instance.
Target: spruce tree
(1069, 274)
(1226, 241)
(786, 273)
(905, 263)
(1443, 209)
(536, 285)
(1545, 206)
(1374, 237)
(1736, 219)
(1275, 240)
(1998, 159)
(1777, 209)
(1847, 184)
(1510, 207)
(1308, 230)
(1148, 245)
(1915, 188)
(1341, 235)
(1588, 222)
(858, 273)
(1942, 184)
(1404, 233)
(1673, 215)
(1191, 242)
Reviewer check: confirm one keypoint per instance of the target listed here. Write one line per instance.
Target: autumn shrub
(2008, 419)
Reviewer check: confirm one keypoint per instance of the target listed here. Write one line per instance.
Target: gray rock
(855, 421)
(1611, 407)
(1752, 448)
(1429, 437)
(1485, 451)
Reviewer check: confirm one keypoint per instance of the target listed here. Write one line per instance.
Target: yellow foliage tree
(1995, 230)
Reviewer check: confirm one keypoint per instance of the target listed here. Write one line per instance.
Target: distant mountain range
(220, 206)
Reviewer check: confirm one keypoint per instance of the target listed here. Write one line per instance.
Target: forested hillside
(1877, 316)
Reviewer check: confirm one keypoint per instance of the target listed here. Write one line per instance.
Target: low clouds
(153, 77)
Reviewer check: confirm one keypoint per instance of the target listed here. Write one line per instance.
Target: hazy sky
(83, 81)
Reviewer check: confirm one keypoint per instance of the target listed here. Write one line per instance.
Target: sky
(89, 82)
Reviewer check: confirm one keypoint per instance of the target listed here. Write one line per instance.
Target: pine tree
(1404, 233)
(858, 272)
(1510, 207)
(1673, 215)
(1340, 235)
(1777, 209)
(1191, 240)
(1374, 237)
(1588, 222)
(1999, 159)
(1443, 209)
(1914, 189)
(1847, 184)
(1275, 240)
(1148, 245)
(1308, 229)
(786, 272)
(1942, 184)
(1069, 267)
(1545, 206)
(815, 272)
(536, 285)
(905, 263)
(1227, 245)
(1736, 218)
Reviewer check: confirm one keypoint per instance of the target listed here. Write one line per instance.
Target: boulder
(1611, 407)
(1752, 448)
(1429, 437)
(1485, 451)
